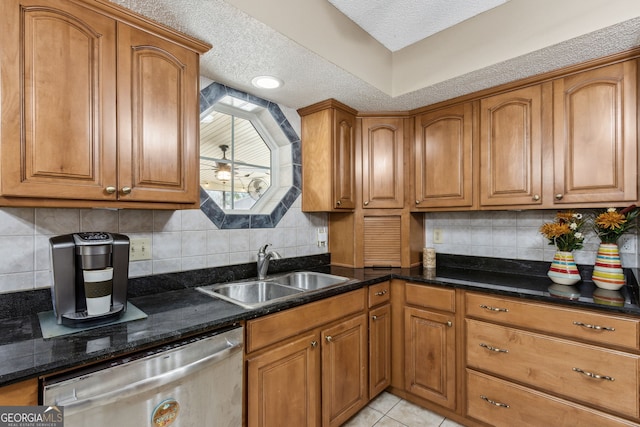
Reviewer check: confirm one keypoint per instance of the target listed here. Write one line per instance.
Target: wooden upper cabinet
(94, 109)
(595, 135)
(511, 148)
(58, 100)
(328, 157)
(443, 158)
(158, 89)
(382, 162)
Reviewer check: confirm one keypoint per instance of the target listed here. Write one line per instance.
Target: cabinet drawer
(606, 329)
(270, 329)
(379, 293)
(431, 297)
(556, 365)
(503, 404)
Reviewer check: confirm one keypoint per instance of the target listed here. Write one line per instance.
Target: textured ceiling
(244, 47)
(399, 23)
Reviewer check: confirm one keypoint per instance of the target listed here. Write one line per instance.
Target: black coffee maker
(89, 277)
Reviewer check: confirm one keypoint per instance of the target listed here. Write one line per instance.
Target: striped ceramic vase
(607, 273)
(563, 269)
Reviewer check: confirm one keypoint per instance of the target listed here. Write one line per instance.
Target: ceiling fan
(223, 168)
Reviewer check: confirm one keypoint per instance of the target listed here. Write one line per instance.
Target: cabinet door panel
(344, 161)
(430, 356)
(443, 158)
(58, 101)
(379, 350)
(382, 160)
(595, 135)
(511, 148)
(158, 126)
(344, 370)
(283, 385)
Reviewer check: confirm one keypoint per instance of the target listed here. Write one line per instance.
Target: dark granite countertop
(176, 310)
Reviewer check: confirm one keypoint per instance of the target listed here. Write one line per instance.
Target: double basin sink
(258, 293)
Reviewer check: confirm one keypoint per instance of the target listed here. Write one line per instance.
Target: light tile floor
(388, 410)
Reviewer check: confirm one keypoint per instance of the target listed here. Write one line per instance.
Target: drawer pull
(496, 349)
(488, 307)
(381, 293)
(595, 327)
(493, 402)
(592, 375)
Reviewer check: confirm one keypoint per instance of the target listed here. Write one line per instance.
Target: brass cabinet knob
(417, 202)
(314, 344)
(338, 203)
(366, 203)
(449, 323)
(110, 190)
(536, 197)
(374, 317)
(126, 190)
(329, 338)
(558, 196)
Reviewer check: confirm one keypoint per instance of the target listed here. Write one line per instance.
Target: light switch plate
(437, 235)
(139, 249)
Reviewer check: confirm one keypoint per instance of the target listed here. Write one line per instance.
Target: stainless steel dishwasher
(197, 382)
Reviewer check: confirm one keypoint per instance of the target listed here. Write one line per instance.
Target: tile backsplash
(513, 234)
(187, 240)
(181, 240)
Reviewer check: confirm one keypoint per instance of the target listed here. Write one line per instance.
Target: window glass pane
(235, 160)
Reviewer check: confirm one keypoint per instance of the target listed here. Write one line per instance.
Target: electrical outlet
(322, 237)
(139, 249)
(437, 235)
(627, 244)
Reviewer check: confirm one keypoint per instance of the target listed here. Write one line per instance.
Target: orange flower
(611, 220)
(552, 230)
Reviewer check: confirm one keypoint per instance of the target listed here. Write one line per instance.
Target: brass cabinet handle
(449, 323)
(595, 327)
(536, 197)
(493, 402)
(374, 317)
(488, 307)
(592, 375)
(558, 196)
(314, 344)
(338, 203)
(329, 338)
(366, 203)
(496, 349)
(110, 190)
(381, 293)
(126, 190)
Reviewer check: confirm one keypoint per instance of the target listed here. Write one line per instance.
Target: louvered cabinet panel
(382, 241)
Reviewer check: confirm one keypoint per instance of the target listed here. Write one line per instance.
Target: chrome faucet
(263, 260)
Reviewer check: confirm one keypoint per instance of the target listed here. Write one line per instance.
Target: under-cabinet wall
(181, 240)
(512, 234)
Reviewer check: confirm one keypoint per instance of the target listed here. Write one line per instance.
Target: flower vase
(564, 270)
(608, 273)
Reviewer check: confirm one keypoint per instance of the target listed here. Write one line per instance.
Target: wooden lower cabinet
(283, 385)
(501, 403)
(24, 393)
(344, 370)
(430, 356)
(379, 349)
(313, 370)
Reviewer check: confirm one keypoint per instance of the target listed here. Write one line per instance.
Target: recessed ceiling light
(267, 82)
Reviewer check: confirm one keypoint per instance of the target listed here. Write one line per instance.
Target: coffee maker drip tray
(84, 317)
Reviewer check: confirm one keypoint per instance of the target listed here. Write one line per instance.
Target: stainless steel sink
(254, 294)
(310, 280)
(250, 294)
